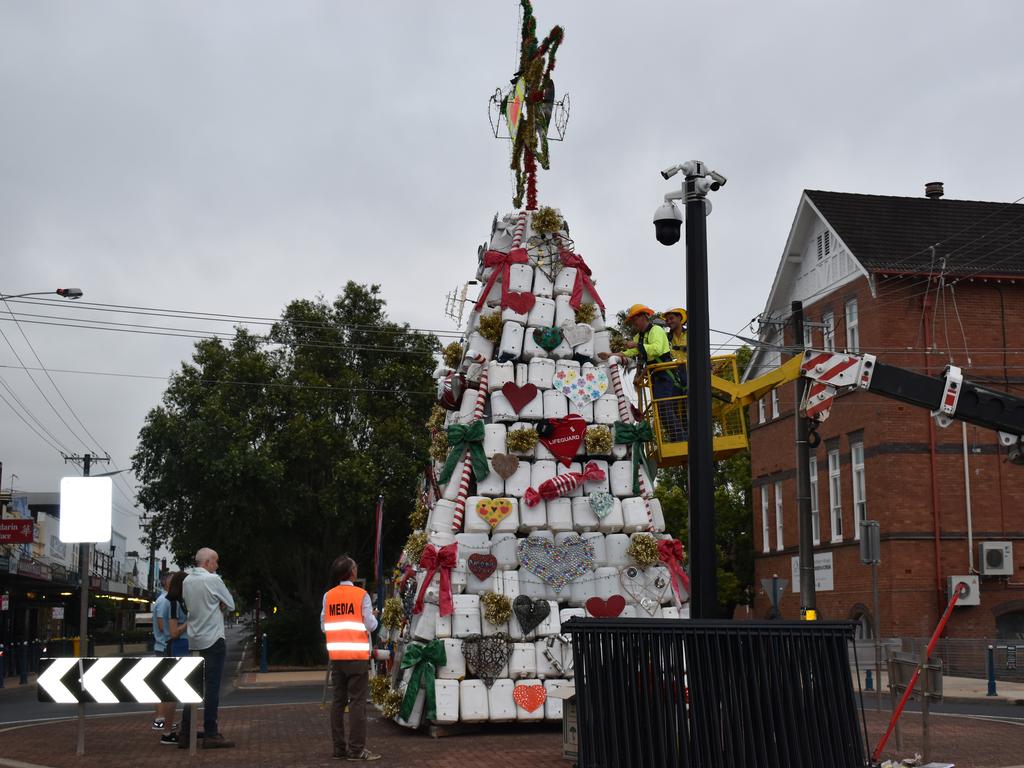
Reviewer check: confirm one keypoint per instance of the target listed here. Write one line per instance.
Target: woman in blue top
(178, 627)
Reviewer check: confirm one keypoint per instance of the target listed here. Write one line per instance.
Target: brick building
(919, 282)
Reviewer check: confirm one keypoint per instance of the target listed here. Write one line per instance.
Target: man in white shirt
(207, 600)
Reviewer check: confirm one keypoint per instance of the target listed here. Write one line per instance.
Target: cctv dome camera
(668, 221)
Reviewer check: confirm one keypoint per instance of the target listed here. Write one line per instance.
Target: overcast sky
(232, 156)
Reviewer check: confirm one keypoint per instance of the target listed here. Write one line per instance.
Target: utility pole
(808, 596)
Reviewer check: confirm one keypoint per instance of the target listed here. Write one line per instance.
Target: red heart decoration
(519, 397)
(600, 608)
(482, 566)
(565, 436)
(530, 697)
(520, 303)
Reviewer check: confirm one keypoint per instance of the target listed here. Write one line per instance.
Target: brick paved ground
(297, 735)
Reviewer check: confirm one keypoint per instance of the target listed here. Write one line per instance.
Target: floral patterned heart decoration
(581, 387)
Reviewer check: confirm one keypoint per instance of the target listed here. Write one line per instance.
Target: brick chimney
(934, 190)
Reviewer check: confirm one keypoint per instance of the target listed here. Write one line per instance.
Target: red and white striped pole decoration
(520, 230)
(627, 417)
(467, 465)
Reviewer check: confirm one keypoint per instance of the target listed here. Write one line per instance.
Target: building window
(815, 519)
(852, 327)
(860, 501)
(765, 526)
(808, 337)
(778, 516)
(828, 320)
(761, 419)
(775, 403)
(835, 495)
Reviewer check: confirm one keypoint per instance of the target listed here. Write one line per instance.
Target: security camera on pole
(698, 181)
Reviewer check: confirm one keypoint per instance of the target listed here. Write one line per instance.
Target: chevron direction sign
(115, 680)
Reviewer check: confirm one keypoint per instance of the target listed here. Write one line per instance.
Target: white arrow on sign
(175, 680)
(50, 681)
(135, 681)
(92, 680)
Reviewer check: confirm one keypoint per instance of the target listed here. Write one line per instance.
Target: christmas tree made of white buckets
(542, 508)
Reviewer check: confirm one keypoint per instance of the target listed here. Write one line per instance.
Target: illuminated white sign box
(85, 509)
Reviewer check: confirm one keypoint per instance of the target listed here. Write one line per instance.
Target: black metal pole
(808, 596)
(703, 565)
(83, 609)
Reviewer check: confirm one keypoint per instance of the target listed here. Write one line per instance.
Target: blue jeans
(213, 670)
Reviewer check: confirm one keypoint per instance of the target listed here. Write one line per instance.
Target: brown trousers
(350, 680)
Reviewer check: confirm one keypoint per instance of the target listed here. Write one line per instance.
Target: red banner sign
(16, 531)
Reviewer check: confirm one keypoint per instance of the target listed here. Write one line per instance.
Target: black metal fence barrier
(743, 694)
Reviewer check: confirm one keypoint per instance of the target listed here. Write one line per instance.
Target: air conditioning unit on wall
(971, 595)
(996, 558)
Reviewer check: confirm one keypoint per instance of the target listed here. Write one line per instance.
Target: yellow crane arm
(754, 389)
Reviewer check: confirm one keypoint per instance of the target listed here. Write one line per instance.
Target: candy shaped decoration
(600, 608)
(581, 387)
(493, 511)
(547, 338)
(519, 397)
(486, 657)
(556, 565)
(601, 502)
(646, 588)
(530, 697)
(562, 436)
(530, 612)
(505, 465)
(482, 565)
(561, 485)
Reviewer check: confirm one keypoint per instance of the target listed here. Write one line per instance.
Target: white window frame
(815, 513)
(775, 404)
(761, 417)
(860, 502)
(852, 327)
(779, 533)
(765, 522)
(808, 336)
(835, 494)
(828, 332)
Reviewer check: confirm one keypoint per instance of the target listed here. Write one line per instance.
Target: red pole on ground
(917, 672)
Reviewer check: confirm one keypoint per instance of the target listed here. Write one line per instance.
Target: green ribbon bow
(424, 660)
(461, 437)
(635, 435)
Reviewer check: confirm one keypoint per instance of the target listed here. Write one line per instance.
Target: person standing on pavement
(347, 619)
(177, 645)
(208, 600)
(161, 639)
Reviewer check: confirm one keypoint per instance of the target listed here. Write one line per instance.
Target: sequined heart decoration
(493, 511)
(530, 697)
(486, 657)
(547, 338)
(482, 565)
(601, 503)
(600, 608)
(520, 303)
(583, 386)
(505, 465)
(646, 587)
(556, 565)
(519, 397)
(530, 612)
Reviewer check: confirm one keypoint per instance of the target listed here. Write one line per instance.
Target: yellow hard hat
(676, 311)
(639, 309)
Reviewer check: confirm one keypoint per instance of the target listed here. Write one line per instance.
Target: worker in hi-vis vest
(347, 619)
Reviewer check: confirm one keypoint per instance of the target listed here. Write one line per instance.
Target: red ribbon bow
(583, 273)
(670, 552)
(502, 263)
(433, 559)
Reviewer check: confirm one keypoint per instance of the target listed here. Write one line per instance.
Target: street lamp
(66, 293)
(698, 181)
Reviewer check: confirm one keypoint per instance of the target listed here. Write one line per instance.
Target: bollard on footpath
(991, 664)
(23, 677)
(868, 680)
(263, 653)
(120, 645)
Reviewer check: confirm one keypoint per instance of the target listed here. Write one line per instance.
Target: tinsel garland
(497, 608)
(643, 549)
(439, 446)
(586, 313)
(490, 326)
(436, 421)
(392, 704)
(392, 616)
(521, 440)
(546, 221)
(379, 687)
(418, 516)
(415, 545)
(617, 342)
(452, 354)
(598, 440)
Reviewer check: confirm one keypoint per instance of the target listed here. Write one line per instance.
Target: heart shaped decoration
(547, 338)
(600, 608)
(556, 565)
(530, 612)
(505, 465)
(577, 333)
(519, 397)
(520, 303)
(482, 565)
(645, 587)
(601, 503)
(493, 511)
(563, 436)
(530, 697)
(581, 387)
(486, 657)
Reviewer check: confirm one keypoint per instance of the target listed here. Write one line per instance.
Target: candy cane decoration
(520, 230)
(627, 417)
(467, 466)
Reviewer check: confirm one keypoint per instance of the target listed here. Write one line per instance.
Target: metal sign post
(870, 553)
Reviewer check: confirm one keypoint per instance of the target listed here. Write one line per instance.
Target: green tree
(273, 449)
